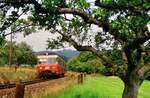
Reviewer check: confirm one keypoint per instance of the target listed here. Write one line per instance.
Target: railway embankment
(34, 90)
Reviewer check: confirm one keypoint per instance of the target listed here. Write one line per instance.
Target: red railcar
(50, 66)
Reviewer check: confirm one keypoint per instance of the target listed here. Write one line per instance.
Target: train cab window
(42, 62)
(51, 61)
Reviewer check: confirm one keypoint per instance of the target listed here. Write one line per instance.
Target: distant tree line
(91, 63)
(21, 53)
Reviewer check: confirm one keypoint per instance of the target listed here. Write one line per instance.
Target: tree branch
(115, 6)
(144, 72)
(86, 17)
(140, 40)
(87, 48)
(4, 27)
(18, 30)
(2, 5)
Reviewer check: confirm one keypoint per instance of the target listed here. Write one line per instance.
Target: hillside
(65, 54)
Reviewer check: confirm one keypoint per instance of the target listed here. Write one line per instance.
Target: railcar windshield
(42, 62)
(51, 61)
(48, 62)
(48, 59)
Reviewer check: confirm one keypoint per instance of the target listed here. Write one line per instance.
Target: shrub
(86, 62)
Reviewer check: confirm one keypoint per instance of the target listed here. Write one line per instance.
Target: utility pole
(10, 51)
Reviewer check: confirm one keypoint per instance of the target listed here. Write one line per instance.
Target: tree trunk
(130, 91)
(131, 88)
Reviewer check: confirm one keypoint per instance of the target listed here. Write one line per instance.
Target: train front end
(48, 71)
(49, 67)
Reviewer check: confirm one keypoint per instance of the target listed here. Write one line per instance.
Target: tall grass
(54, 90)
(8, 74)
(101, 87)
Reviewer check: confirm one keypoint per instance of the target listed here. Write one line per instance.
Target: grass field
(101, 87)
(10, 74)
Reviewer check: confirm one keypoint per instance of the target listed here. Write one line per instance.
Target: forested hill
(65, 54)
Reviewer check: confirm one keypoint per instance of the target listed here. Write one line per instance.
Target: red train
(50, 66)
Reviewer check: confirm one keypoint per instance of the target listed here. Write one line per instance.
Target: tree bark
(131, 87)
(130, 91)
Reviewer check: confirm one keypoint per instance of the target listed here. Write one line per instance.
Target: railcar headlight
(46, 67)
(53, 67)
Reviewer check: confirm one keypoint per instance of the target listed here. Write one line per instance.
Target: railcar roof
(45, 53)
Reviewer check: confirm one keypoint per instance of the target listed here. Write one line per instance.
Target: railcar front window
(42, 62)
(51, 61)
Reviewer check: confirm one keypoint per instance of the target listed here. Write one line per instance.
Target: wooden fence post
(79, 78)
(84, 75)
(19, 90)
(81, 75)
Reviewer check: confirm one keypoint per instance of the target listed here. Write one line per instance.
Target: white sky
(36, 40)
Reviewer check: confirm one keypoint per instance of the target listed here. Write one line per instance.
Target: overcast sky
(36, 40)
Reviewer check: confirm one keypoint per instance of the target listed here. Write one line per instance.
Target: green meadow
(100, 87)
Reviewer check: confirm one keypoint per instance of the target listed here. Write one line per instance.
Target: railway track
(32, 87)
(11, 85)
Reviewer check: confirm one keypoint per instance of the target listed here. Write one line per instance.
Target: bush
(86, 62)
